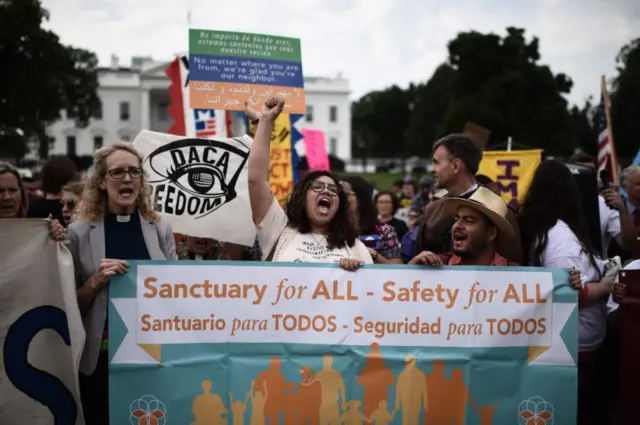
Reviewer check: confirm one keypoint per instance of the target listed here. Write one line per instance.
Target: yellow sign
(512, 171)
(281, 171)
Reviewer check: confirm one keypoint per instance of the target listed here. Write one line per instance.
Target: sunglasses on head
(318, 186)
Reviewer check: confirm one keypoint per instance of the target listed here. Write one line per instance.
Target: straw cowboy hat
(489, 204)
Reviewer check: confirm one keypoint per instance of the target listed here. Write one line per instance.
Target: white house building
(136, 98)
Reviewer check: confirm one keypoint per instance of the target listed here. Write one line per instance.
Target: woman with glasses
(115, 223)
(70, 201)
(317, 226)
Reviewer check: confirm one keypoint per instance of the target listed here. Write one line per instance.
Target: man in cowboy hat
(479, 231)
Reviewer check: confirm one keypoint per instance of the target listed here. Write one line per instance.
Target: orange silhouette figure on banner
(238, 407)
(258, 403)
(277, 383)
(375, 378)
(351, 415)
(290, 405)
(411, 392)
(381, 416)
(485, 413)
(332, 392)
(309, 397)
(458, 397)
(208, 408)
(437, 411)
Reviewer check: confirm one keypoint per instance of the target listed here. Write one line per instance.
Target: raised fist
(272, 108)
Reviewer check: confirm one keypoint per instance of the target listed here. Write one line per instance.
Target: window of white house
(71, 145)
(98, 112)
(162, 112)
(309, 113)
(98, 141)
(333, 146)
(333, 113)
(124, 111)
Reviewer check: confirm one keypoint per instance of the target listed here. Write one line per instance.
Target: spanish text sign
(294, 343)
(229, 68)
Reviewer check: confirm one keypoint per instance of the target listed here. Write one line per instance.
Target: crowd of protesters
(453, 217)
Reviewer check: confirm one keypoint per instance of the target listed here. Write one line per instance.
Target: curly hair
(395, 202)
(553, 195)
(57, 172)
(74, 187)
(94, 199)
(342, 230)
(5, 167)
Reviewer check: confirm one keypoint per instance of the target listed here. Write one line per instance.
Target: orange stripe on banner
(231, 96)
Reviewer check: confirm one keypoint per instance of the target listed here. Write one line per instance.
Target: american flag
(606, 154)
(205, 122)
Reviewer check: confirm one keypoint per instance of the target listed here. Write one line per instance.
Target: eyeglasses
(68, 204)
(119, 173)
(318, 186)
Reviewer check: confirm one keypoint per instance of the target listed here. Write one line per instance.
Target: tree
(40, 78)
(584, 127)
(499, 84)
(429, 107)
(625, 101)
(379, 120)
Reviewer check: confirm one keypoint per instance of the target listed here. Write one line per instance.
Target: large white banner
(200, 185)
(41, 332)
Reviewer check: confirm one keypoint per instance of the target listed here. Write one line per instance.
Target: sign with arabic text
(227, 69)
(285, 343)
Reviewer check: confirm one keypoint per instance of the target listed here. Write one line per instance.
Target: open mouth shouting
(126, 193)
(324, 205)
(459, 238)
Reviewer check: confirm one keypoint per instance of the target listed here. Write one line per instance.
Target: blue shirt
(124, 241)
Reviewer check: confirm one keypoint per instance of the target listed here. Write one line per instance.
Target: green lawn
(383, 181)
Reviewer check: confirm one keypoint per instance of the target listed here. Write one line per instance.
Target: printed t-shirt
(302, 247)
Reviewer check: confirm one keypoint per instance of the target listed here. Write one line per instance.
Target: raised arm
(260, 194)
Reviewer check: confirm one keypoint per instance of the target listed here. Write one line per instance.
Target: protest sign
(200, 185)
(281, 164)
(315, 149)
(512, 171)
(41, 330)
(293, 343)
(228, 69)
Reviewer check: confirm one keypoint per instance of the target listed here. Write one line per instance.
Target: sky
(373, 43)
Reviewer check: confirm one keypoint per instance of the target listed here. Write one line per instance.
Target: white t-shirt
(308, 248)
(563, 250)
(609, 225)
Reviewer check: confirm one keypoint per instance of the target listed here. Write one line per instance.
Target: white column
(145, 109)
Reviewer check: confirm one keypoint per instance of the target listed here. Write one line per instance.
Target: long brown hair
(94, 199)
(5, 167)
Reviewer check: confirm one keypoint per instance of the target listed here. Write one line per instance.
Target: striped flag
(607, 158)
(186, 121)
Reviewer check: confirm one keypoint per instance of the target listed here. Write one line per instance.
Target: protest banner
(41, 330)
(200, 185)
(512, 171)
(228, 69)
(281, 171)
(302, 343)
(316, 149)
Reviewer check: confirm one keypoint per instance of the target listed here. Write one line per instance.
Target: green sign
(244, 45)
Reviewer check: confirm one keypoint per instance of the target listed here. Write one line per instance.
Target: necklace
(318, 242)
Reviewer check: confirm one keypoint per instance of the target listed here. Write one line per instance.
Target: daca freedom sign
(296, 343)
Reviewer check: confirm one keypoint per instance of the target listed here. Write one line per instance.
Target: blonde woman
(115, 223)
(70, 201)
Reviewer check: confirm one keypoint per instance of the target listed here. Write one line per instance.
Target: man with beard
(479, 228)
(456, 159)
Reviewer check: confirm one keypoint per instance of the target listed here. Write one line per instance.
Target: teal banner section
(233, 343)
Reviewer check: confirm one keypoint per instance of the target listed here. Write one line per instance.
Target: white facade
(137, 98)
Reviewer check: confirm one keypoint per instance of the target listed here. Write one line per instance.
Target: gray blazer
(87, 246)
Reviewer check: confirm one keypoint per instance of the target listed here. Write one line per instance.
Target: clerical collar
(123, 218)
